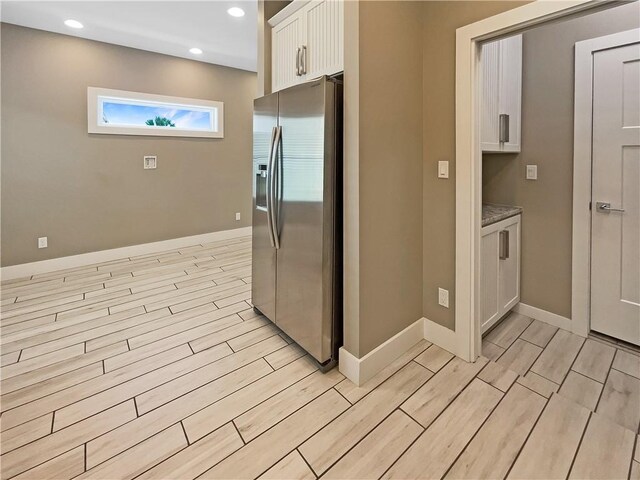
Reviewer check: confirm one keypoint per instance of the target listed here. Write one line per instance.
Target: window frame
(97, 96)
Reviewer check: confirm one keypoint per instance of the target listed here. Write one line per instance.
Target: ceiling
(169, 27)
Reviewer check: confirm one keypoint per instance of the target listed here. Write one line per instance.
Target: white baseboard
(441, 336)
(349, 365)
(359, 370)
(547, 317)
(84, 259)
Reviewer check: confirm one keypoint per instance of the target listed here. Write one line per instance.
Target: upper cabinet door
(510, 98)
(501, 76)
(324, 48)
(490, 78)
(307, 41)
(287, 39)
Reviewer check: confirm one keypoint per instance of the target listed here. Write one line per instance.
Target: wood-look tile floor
(157, 367)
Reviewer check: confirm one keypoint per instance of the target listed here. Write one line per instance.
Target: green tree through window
(160, 122)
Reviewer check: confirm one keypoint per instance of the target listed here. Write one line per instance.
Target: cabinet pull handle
(303, 62)
(504, 244)
(504, 127)
(298, 62)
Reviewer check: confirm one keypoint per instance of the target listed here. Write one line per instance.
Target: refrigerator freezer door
(263, 267)
(305, 216)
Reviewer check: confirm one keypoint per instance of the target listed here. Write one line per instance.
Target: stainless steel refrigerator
(297, 220)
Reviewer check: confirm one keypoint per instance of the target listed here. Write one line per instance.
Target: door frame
(582, 173)
(467, 339)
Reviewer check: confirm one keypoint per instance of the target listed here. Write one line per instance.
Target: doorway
(468, 155)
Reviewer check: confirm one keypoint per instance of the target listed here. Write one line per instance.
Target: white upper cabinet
(501, 77)
(307, 42)
(286, 42)
(325, 38)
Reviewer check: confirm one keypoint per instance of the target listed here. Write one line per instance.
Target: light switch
(532, 172)
(443, 169)
(150, 162)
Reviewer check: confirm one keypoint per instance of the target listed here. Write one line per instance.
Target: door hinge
(590, 206)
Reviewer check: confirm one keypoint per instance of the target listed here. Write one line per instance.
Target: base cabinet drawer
(499, 270)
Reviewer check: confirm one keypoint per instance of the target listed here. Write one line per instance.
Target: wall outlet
(443, 297)
(237, 216)
(42, 242)
(532, 172)
(443, 169)
(150, 162)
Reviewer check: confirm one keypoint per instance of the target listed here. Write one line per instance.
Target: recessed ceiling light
(73, 23)
(195, 51)
(236, 12)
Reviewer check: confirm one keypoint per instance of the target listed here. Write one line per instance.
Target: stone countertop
(492, 213)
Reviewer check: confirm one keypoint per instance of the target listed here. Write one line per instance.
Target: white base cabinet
(500, 270)
(307, 41)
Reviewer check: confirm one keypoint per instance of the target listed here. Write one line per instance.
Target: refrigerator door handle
(275, 186)
(270, 188)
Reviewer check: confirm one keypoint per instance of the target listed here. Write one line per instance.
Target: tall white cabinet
(307, 41)
(501, 93)
(500, 270)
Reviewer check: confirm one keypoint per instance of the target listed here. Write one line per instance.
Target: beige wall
(390, 170)
(401, 216)
(547, 141)
(89, 192)
(440, 22)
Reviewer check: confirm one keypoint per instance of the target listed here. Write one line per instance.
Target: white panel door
(286, 40)
(324, 38)
(615, 244)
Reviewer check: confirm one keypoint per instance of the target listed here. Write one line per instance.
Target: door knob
(606, 207)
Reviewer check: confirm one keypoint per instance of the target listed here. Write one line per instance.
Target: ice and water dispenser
(261, 186)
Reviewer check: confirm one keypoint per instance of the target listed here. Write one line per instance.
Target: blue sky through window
(115, 113)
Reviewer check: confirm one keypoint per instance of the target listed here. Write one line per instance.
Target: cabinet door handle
(298, 62)
(504, 127)
(303, 62)
(504, 244)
